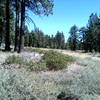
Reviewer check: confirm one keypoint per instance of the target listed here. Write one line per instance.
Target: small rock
(63, 96)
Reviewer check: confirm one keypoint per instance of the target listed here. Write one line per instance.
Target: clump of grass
(14, 60)
(37, 66)
(33, 66)
(56, 61)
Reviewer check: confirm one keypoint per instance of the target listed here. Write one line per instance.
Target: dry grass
(81, 78)
(78, 54)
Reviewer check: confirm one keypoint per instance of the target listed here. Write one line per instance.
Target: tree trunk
(16, 26)
(21, 35)
(7, 35)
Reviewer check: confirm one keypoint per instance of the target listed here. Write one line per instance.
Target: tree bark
(21, 35)
(7, 35)
(16, 26)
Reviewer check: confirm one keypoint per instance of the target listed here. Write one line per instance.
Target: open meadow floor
(81, 78)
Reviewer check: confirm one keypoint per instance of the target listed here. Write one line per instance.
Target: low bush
(33, 66)
(52, 60)
(14, 60)
(36, 66)
(56, 61)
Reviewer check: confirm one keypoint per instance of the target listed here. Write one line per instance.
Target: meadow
(81, 78)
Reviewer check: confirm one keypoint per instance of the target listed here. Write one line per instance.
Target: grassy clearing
(22, 84)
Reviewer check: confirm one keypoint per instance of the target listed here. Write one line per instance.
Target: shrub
(56, 61)
(14, 60)
(52, 60)
(34, 66)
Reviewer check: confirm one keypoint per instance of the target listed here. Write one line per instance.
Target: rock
(63, 96)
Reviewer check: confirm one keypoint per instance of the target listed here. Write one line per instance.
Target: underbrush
(84, 82)
(14, 60)
(20, 84)
(56, 61)
(52, 60)
(29, 64)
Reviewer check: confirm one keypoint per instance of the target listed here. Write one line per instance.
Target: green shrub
(52, 60)
(56, 61)
(14, 60)
(33, 66)
(36, 66)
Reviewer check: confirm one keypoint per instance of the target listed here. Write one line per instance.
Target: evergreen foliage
(73, 38)
(38, 39)
(13, 14)
(86, 38)
(19, 8)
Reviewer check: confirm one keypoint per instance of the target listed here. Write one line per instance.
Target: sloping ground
(81, 78)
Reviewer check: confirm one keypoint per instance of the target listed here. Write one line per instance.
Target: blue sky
(66, 13)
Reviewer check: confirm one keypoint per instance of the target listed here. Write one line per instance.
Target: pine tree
(73, 38)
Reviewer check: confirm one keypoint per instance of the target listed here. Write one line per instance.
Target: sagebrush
(52, 60)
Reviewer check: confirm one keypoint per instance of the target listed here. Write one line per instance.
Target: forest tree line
(13, 16)
(37, 38)
(86, 38)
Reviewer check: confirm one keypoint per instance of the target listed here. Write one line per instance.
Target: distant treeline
(13, 16)
(38, 39)
(86, 38)
(14, 32)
